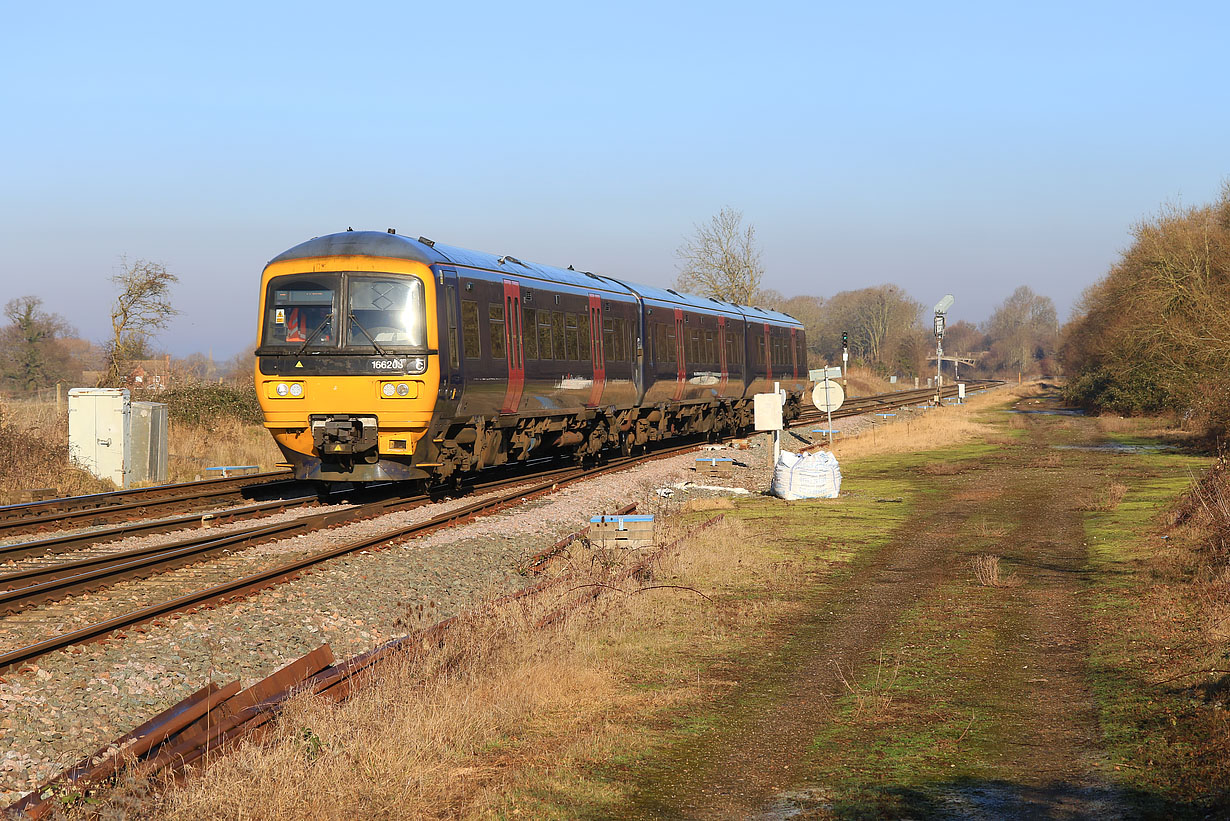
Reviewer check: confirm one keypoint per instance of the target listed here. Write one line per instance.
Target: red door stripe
(681, 365)
(512, 347)
(596, 353)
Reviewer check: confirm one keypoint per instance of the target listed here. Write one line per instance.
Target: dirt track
(1027, 695)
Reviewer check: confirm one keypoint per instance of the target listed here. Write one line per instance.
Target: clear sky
(947, 147)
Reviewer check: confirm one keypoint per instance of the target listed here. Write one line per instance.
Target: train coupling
(343, 434)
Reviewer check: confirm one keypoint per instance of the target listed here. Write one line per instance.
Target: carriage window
(544, 335)
(662, 351)
(469, 328)
(495, 329)
(583, 339)
(296, 308)
(570, 336)
(385, 311)
(608, 338)
(710, 352)
(529, 333)
(672, 344)
(759, 349)
(557, 334)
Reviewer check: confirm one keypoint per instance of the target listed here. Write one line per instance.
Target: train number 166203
(388, 364)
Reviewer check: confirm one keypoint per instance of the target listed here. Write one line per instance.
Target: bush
(1101, 389)
(211, 405)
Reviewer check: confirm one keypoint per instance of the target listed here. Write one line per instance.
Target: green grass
(1167, 747)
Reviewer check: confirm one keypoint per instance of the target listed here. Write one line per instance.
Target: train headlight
(296, 390)
(403, 389)
(389, 389)
(282, 389)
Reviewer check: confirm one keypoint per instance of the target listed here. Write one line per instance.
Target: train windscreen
(299, 311)
(385, 311)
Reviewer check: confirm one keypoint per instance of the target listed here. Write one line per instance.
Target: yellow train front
(346, 370)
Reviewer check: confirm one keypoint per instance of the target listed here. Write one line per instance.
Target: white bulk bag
(807, 476)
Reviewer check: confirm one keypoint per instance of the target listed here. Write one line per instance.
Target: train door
(513, 352)
(449, 336)
(794, 351)
(596, 354)
(721, 346)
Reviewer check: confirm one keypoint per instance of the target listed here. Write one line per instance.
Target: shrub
(211, 405)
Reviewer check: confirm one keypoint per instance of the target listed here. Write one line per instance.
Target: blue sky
(947, 147)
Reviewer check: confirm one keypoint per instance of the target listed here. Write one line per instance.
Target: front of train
(347, 371)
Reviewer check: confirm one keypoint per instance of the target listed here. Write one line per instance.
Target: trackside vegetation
(1153, 335)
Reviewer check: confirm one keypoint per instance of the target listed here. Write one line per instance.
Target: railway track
(105, 508)
(174, 735)
(32, 586)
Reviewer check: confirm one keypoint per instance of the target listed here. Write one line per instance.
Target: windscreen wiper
(315, 331)
(370, 338)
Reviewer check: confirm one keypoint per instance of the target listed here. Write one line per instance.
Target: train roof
(396, 246)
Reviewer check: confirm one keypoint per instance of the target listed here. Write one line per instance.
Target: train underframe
(460, 447)
(346, 451)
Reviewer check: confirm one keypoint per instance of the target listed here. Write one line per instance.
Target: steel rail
(26, 588)
(99, 501)
(75, 541)
(119, 510)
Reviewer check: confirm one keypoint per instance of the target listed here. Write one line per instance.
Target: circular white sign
(827, 396)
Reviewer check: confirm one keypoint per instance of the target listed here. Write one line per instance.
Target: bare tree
(721, 259)
(142, 308)
(1022, 331)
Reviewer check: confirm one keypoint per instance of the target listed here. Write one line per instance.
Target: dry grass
(1108, 498)
(935, 428)
(701, 505)
(986, 571)
(36, 455)
(874, 698)
(865, 382)
(35, 452)
(458, 730)
(196, 447)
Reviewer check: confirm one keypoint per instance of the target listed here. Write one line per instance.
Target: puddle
(1116, 447)
(1052, 412)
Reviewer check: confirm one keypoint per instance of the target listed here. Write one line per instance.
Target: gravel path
(70, 703)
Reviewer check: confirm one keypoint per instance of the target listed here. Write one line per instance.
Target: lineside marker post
(767, 409)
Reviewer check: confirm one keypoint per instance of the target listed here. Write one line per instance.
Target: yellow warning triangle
(299, 364)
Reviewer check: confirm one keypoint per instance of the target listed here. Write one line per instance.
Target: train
(385, 358)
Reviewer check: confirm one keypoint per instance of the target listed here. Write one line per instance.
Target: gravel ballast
(68, 704)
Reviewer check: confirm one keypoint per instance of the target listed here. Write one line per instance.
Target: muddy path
(771, 754)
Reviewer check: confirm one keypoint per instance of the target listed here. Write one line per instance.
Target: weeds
(1108, 498)
(986, 570)
(875, 696)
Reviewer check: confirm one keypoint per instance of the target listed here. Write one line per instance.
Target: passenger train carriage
(388, 358)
